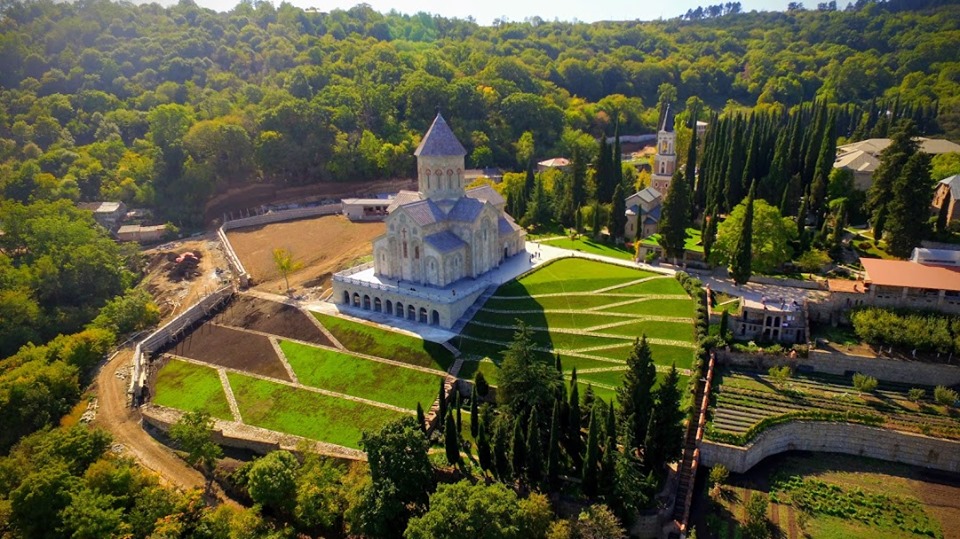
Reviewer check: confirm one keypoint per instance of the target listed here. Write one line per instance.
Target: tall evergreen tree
(907, 220)
(825, 158)
(690, 168)
(458, 400)
(534, 451)
(483, 446)
(518, 453)
(792, 192)
(618, 157)
(451, 442)
(618, 213)
(442, 400)
(709, 234)
(574, 423)
(740, 269)
(635, 394)
(578, 178)
(474, 412)
(724, 324)
(553, 449)
(421, 419)
(604, 172)
(664, 441)
(892, 160)
(596, 221)
(733, 175)
(675, 217)
(500, 455)
(591, 459)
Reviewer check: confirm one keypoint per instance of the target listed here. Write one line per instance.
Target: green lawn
(676, 331)
(589, 246)
(562, 302)
(663, 285)
(304, 413)
(358, 377)
(190, 387)
(692, 242)
(490, 370)
(572, 275)
(374, 341)
(658, 307)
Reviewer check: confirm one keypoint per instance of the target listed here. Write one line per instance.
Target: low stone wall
(282, 215)
(892, 370)
(793, 283)
(168, 331)
(848, 438)
(247, 437)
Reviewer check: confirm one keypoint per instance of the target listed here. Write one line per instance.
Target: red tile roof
(911, 274)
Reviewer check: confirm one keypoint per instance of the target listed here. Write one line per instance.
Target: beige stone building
(440, 239)
(665, 162)
(948, 192)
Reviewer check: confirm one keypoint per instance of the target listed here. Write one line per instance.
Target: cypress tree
(421, 419)
(906, 226)
(534, 451)
(578, 222)
(941, 226)
(802, 235)
(592, 457)
(635, 394)
(604, 172)
(553, 449)
(740, 269)
(792, 193)
(618, 156)
(573, 422)
(518, 448)
(826, 156)
(690, 170)
(813, 143)
(675, 217)
(611, 421)
(664, 441)
(442, 399)
(709, 234)
(724, 324)
(481, 385)
(578, 185)
(618, 213)
(451, 442)
(483, 446)
(606, 482)
(733, 175)
(459, 405)
(501, 459)
(892, 160)
(474, 413)
(561, 388)
(596, 220)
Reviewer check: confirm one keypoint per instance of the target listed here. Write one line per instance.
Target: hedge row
(927, 332)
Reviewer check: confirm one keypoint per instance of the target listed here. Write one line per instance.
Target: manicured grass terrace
(306, 413)
(190, 387)
(359, 377)
(587, 245)
(374, 341)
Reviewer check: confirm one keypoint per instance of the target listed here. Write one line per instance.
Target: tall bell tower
(665, 162)
(440, 159)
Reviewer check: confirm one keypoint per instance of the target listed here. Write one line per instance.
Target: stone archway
(399, 310)
(346, 297)
(435, 318)
(388, 307)
(356, 299)
(366, 302)
(411, 312)
(423, 315)
(377, 305)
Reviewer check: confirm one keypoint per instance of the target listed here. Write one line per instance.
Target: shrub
(719, 475)
(756, 525)
(911, 330)
(780, 375)
(480, 382)
(944, 395)
(864, 383)
(916, 393)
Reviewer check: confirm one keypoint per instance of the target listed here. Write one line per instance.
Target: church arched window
(416, 252)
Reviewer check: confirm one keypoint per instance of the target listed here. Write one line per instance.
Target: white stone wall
(449, 309)
(440, 177)
(848, 438)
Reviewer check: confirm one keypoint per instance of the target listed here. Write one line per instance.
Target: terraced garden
(589, 313)
(319, 392)
(747, 402)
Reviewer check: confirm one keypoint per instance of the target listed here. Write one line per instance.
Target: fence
(165, 334)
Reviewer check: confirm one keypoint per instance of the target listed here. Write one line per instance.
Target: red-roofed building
(904, 283)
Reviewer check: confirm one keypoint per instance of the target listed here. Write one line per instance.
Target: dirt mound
(271, 317)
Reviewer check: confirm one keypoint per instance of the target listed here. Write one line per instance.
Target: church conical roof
(440, 141)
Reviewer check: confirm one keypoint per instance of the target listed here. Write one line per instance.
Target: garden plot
(590, 313)
(748, 402)
(283, 377)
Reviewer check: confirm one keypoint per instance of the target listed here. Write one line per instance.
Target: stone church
(442, 238)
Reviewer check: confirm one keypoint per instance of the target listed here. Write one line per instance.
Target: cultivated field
(286, 376)
(590, 313)
(830, 496)
(323, 245)
(747, 402)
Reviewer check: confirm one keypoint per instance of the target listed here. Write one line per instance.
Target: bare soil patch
(232, 348)
(323, 245)
(272, 317)
(173, 292)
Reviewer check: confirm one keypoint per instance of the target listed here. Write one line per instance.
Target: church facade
(439, 239)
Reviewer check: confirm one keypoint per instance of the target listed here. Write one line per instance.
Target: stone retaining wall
(261, 441)
(892, 370)
(848, 438)
(168, 331)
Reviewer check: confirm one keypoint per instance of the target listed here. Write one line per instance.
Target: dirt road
(123, 423)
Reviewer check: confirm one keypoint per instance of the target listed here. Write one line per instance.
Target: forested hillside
(164, 106)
